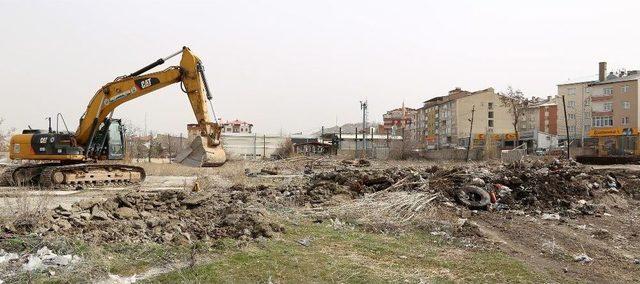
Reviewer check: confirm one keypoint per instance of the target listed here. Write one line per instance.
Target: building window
(602, 121)
(625, 120)
(490, 114)
(608, 106)
(490, 105)
(571, 104)
(572, 128)
(608, 91)
(490, 123)
(625, 88)
(571, 91)
(571, 115)
(587, 128)
(626, 105)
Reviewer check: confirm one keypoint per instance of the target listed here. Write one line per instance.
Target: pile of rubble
(166, 217)
(43, 259)
(558, 185)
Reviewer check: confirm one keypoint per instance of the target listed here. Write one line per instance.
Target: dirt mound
(539, 185)
(166, 217)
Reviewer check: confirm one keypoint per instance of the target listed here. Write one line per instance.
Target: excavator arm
(205, 151)
(128, 88)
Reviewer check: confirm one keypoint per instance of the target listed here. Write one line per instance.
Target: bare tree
(5, 135)
(517, 103)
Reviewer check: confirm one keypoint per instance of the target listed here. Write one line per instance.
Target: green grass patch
(352, 256)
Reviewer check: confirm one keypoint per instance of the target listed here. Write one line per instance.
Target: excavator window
(116, 145)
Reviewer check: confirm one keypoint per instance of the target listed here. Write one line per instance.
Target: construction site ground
(304, 219)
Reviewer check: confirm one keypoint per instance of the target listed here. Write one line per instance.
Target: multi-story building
(490, 117)
(614, 112)
(577, 102)
(538, 127)
(397, 119)
(446, 119)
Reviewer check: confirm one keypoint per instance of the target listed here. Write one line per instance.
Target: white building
(236, 126)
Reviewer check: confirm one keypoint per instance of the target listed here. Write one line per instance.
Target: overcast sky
(297, 65)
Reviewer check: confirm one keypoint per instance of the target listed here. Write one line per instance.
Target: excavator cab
(108, 143)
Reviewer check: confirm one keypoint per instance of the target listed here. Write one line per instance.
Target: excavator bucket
(200, 154)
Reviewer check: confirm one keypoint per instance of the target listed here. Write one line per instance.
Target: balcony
(601, 98)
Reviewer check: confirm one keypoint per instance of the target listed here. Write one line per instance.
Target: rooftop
(634, 76)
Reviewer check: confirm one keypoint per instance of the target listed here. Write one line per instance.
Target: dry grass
(284, 150)
(24, 210)
(399, 208)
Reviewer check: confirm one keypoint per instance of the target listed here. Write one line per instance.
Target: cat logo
(144, 83)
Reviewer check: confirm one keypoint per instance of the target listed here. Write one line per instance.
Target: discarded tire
(473, 197)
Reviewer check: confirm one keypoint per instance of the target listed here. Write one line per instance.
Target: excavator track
(75, 176)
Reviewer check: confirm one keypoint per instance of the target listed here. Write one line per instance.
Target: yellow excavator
(70, 159)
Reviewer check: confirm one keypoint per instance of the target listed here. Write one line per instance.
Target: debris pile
(42, 260)
(529, 185)
(166, 217)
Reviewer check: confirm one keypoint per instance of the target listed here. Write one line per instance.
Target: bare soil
(551, 212)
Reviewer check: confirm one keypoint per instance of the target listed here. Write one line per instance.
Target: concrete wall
(248, 146)
(453, 154)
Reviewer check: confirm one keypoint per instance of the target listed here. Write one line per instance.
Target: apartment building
(614, 113)
(490, 117)
(397, 119)
(538, 127)
(577, 102)
(446, 119)
(614, 103)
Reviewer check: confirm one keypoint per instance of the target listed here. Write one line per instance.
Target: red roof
(236, 122)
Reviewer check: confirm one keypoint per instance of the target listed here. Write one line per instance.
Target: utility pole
(339, 139)
(169, 146)
(150, 145)
(355, 156)
(364, 105)
(473, 110)
(566, 125)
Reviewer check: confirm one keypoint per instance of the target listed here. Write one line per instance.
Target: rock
(126, 213)
(63, 207)
(582, 258)
(543, 171)
(549, 216)
(6, 257)
(85, 216)
(197, 199)
(98, 214)
(138, 225)
(33, 263)
(231, 219)
(64, 224)
(305, 242)
(87, 204)
(478, 182)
